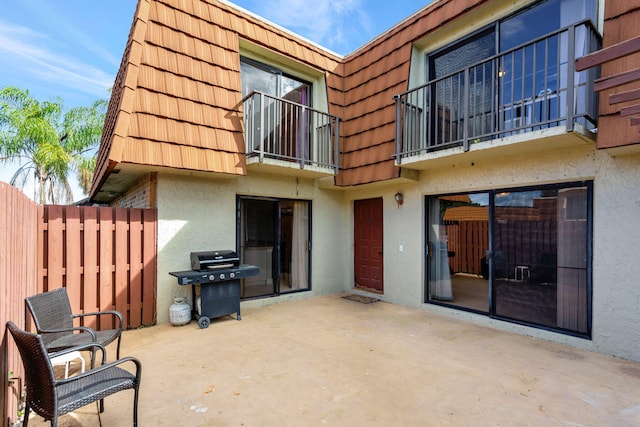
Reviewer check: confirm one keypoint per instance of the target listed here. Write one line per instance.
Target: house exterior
(458, 163)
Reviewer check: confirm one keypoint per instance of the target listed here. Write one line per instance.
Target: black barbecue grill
(218, 273)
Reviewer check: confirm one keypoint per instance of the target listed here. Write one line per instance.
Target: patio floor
(331, 361)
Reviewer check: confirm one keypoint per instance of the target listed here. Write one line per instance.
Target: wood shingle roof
(176, 100)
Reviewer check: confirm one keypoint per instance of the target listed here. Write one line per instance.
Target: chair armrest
(92, 371)
(77, 328)
(115, 313)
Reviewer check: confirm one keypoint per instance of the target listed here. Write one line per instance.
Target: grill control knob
(221, 276)
(232, 275)
(212, 277)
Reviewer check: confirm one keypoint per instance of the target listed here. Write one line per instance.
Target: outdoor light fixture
(399, 198)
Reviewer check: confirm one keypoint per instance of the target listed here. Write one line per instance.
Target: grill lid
(214, 259)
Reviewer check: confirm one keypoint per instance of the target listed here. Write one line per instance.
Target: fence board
(73, 259)
(40, 252)
(135, 267)
(121, 262)
(90, 267)
(105, 292)
(55, 247)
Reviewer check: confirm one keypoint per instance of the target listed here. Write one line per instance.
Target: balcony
(518, 100)
(284, 137)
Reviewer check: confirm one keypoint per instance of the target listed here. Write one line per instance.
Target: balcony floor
(521, 143)
(330, 361)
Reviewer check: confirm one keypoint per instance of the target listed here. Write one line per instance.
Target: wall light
(399, 198)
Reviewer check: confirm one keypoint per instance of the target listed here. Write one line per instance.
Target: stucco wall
(199, 214)
(616, 270)
(196, 214)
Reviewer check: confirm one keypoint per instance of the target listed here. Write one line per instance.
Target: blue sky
(71, 49)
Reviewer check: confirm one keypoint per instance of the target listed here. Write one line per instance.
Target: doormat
(360, 299)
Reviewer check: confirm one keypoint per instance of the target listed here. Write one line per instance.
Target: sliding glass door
(522, 255)
(274, 235)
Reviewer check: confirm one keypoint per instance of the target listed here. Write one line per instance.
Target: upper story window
(543, 18)
(260, 77)
(509, 77)
(531, 23)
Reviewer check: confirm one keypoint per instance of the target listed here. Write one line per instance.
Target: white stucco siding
(196, 214)
(616, 257)
(199, 214)
(616, 233)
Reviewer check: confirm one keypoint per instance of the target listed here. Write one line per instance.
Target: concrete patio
(335, 362)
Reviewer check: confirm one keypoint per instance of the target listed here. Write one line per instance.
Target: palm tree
(47, 144)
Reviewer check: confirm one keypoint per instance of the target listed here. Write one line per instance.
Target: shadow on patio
(330, 361)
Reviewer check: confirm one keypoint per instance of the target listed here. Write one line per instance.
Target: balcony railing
(530, 87)
(276, 128)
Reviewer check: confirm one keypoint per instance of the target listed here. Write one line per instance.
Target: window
(521, 255)
(274, 235)
(277, 124)
(256, 76)
(476, 95)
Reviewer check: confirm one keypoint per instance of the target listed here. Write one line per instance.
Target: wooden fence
(104, 256)
(517, 242)
(467, 243)
(18, 247)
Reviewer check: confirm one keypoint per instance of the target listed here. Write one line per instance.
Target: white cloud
(22, 47)
(328, 22)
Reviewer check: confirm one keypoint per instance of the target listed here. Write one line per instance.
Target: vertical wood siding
(104, 256)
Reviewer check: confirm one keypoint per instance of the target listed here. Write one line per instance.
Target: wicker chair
(51, 398)
(51, 313)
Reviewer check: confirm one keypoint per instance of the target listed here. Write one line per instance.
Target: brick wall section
(142, 194)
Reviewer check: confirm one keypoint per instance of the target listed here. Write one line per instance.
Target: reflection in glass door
(458, 248)
(540, 257)
(274, 235)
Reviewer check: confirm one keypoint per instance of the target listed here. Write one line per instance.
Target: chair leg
(118, 350)
(54, 418)
(135, 407)
(25, 417)
(101, 405)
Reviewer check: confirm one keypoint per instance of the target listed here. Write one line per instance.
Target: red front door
(368, 244)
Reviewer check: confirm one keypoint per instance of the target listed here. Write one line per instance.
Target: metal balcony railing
(276, 128)
(530, 87)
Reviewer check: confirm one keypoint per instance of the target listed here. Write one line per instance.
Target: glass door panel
(258, 237)
(458, 246)
(449, 103)
(274, 236)
(539, 257)
(294, 246)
